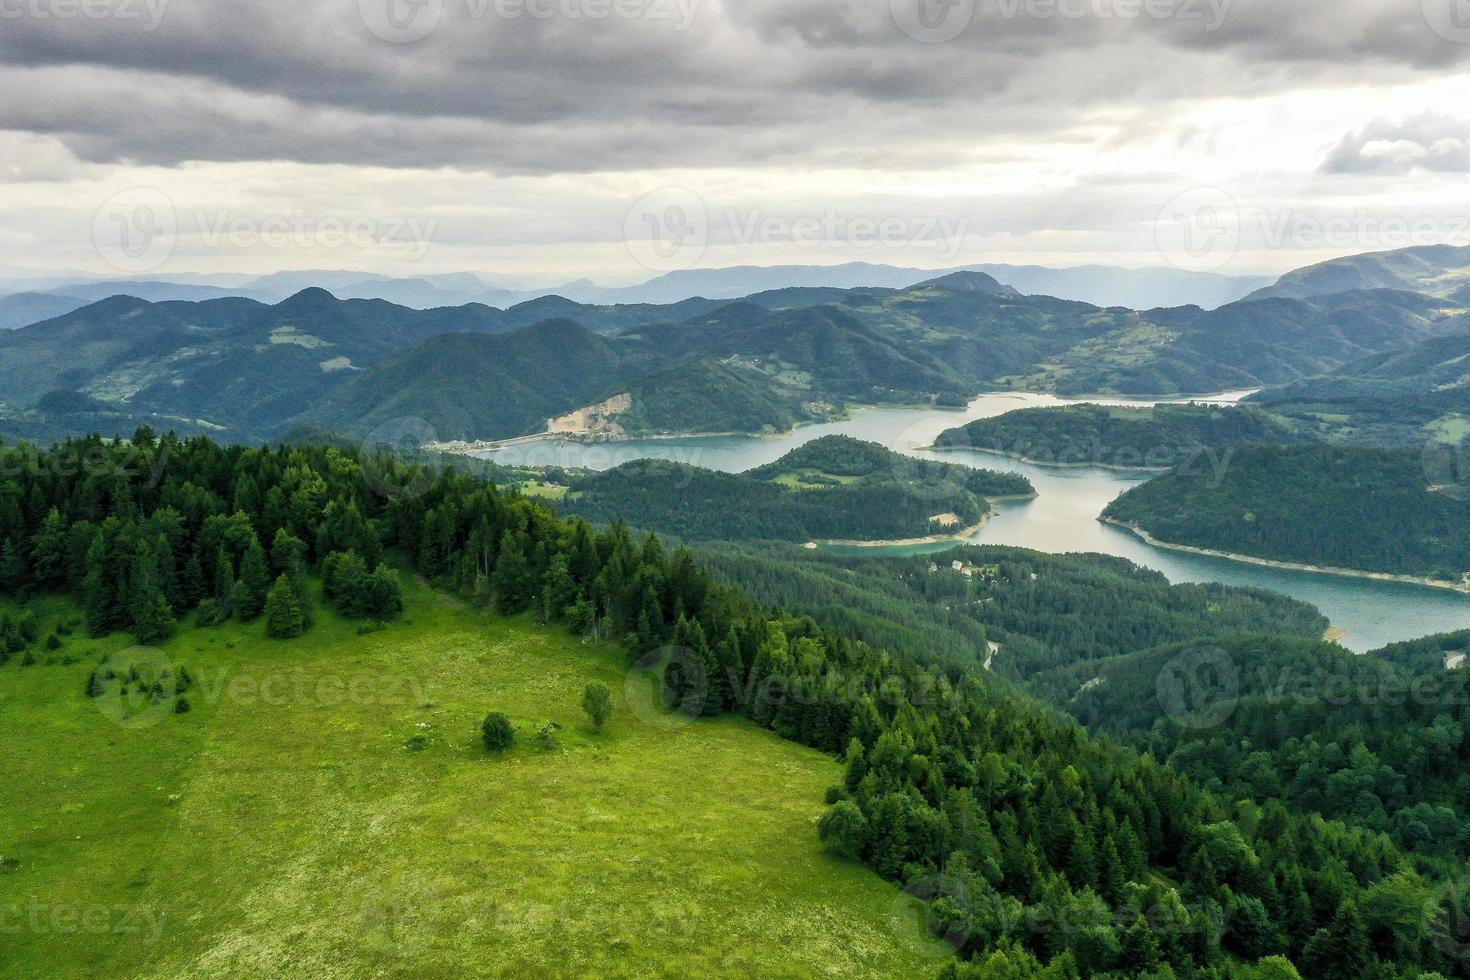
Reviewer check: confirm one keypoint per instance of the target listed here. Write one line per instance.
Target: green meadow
(326, 807)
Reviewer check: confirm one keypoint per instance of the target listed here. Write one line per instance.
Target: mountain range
(253, 370)
(29, 299)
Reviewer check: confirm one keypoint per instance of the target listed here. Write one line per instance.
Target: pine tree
(508, 581)
(254, 581)
(191, 583)
(153, 620)
(283, 616)
(224, 578)
(12, 565)
(49, 551)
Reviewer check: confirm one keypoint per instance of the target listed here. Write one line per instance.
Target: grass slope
(286, 825)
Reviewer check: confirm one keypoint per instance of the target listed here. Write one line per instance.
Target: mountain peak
(967, 281)
(312, 297)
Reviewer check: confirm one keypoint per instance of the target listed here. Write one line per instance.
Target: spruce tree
(283, 616)
(254, 582)
(12, 565)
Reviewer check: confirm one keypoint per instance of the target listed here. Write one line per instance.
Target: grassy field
(326, 808)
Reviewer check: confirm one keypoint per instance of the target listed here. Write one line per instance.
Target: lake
(1062, 518)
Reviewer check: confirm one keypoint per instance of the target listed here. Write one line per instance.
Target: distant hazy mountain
(1104, 286)
(1099, 285)
(1436, 270)
(19, 309)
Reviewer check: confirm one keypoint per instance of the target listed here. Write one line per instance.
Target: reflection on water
(1062, 518)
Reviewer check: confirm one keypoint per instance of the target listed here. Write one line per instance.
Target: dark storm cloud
(573, 85)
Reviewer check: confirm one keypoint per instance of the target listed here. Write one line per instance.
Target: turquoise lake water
(1062, 518)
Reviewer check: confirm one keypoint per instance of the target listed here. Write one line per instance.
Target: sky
(544, 141)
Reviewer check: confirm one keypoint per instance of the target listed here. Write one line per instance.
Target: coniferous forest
(1039, 849)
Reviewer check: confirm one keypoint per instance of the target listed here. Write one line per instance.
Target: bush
(499, 734)
(597, 702)
(844, 829)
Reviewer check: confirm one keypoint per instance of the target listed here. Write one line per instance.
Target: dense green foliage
(1365, 509)
(1006, 820)
(1132, 438)
(704, 395)
(1364, 739)
(144, 531)
(831, 488)
(1041, 610)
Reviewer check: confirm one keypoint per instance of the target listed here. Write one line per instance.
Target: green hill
(1408, 396)
(835, 487)
(1436, 270)
(1365, 509)
(1130, 438)
(327, 808)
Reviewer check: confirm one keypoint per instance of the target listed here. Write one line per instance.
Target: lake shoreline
(958, 537)
(473, 447)
(1461, 587)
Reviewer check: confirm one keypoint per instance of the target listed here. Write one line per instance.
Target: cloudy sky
(548, 140)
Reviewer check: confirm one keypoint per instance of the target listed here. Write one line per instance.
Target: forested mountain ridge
(1154, 438)
(835, 487)
(252, 371)
(1371, 510)
(1435, 270)
(1041, 611)
(1022, 815)
(1410, 396)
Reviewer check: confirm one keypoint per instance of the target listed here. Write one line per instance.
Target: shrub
(597, 702)
(499, 734)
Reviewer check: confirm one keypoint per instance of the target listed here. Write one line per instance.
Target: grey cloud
(1428, 142)
(747, 81)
